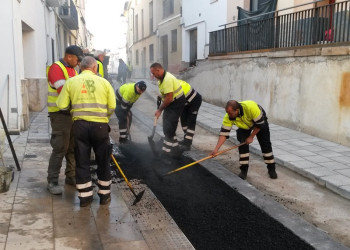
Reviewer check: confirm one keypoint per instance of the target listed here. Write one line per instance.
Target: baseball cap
(75, 50)
(142, 85)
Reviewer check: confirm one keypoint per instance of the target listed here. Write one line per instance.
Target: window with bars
(151, 17)
(174, 40)
(151, 53)
(168, 8)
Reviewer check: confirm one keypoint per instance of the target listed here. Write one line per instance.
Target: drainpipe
(13, 131)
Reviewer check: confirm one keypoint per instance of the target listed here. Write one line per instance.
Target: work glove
(159, 101)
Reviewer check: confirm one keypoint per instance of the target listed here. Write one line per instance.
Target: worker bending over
(251, 120)
(173, 102)
(127, 95)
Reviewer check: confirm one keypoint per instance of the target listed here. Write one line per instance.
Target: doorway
(193, 47)
(164, 42)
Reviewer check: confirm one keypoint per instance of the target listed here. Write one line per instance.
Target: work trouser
(62, 143)
(263, 137)
(122, 115)
(189, 118)
(92, 135)
(171, 117)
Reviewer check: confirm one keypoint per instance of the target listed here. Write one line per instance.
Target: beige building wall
(147, 43)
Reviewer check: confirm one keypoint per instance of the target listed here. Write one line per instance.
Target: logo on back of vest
(83, 90)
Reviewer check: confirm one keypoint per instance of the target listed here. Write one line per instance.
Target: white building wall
(11, 68)
(205, 17)
(34, 38)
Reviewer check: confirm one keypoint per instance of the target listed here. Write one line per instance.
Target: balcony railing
(69, 15)
(321, 25)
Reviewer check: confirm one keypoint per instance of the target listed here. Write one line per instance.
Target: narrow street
(301, 196)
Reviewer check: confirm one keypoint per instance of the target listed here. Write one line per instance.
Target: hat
(75, 50)
(142, 85)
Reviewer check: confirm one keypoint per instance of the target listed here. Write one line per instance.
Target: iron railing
(320, 25)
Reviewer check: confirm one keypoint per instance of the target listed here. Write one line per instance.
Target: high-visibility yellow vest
(91, 97)
(185, 86)
(100, 68)
(170, 84)
(126, 95)
(250, 116)
(52, 92)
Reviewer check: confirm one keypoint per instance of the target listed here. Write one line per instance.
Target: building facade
(154, 35)
(37, 33)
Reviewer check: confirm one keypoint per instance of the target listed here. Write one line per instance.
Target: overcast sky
(104, 22)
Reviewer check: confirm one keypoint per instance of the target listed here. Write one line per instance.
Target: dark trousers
(96, 136)
(62, 143)
(189, 118)
(171, 117)
(122, 115)
(264, 141)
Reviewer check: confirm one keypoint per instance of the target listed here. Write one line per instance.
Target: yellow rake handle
(121, 171)
(206, 158)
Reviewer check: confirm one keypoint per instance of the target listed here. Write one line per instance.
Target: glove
(159, 101)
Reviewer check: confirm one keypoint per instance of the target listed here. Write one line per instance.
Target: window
(136, 35)
(168, 8)
(173, 40)
(137, 57)
(151, 53)
(142, 26)
(254, 5)
(151, 17)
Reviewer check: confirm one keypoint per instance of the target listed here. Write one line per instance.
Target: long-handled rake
(203, 159)
(137, 196)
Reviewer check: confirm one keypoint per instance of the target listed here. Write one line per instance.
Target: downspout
(13, 131)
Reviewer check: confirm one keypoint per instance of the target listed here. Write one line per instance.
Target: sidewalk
(324, 162)
(32, 218)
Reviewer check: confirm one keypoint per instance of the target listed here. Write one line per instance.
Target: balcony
(69, 15)
(321, 25)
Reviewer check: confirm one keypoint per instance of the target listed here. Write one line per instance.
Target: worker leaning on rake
(251, 120)
(127, 95)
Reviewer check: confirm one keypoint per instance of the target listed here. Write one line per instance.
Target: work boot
(54, 188)
(244, 171)
(86, 201)
(105, 199)
(184, 147)
(70, 181)
(272, 171)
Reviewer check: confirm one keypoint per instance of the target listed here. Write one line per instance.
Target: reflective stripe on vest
(52, 92)
(100, 68)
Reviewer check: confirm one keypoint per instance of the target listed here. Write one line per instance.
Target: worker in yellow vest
(100, 57)
(60, 120)
(251, 120)
(127, 95)
(92, 102)
(189, 115)
(173, 102)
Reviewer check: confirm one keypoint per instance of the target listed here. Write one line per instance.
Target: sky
(103, 20)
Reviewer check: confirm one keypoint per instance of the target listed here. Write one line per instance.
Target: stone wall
(304, 89)
(37, 94)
